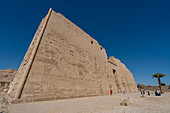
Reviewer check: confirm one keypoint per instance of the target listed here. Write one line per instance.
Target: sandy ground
(99, 104)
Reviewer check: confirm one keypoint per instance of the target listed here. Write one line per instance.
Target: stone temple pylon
(63, 61)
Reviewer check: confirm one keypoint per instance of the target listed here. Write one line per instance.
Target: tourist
(111, 92)
(159, 93)
(155, 93)
(124, 91)
(148, 93)
(141, 92)
(119, 90)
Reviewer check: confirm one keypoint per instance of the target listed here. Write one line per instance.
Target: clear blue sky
(135, 31)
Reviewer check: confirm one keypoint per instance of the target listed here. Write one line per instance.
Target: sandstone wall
(68, 63)
(112, 77)
(6, 77)
(125, 78)
(65, 62)
(18, 83)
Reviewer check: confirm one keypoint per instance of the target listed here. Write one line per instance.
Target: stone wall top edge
(59, 14)
(4, 70)
(119, 61)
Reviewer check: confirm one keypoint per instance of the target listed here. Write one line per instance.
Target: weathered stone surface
(142, 96)
(125, 78)
(6, 77)
(3, 104)
(125, 102)
(64, 61)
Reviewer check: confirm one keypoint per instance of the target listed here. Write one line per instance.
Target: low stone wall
(153, 88)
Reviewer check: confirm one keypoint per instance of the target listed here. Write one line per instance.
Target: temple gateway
(63, 61)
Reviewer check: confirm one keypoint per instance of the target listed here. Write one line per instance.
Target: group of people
(143, 92)
(157, 92)
(124, 91)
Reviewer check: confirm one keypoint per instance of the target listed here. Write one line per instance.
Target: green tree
(163, 84)
(158, 75)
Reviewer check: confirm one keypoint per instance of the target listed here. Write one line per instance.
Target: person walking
(141, 92)
(124, 91)
(111, 92)
(148, 93)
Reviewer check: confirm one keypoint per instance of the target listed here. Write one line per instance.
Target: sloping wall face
(17, 84)
(68, 63)
(124, 78)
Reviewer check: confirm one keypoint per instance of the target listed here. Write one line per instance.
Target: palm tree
(158, 75)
